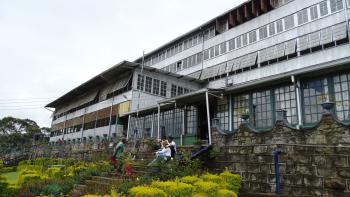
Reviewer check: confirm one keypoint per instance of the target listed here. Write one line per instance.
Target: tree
(10, 125)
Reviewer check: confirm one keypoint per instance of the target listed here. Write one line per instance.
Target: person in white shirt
(162, 155)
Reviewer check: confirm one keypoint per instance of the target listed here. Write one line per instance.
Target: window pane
(285, 99)
(315, 92)
(262, 110)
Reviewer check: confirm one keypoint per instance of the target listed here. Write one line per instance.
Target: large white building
(259, 57)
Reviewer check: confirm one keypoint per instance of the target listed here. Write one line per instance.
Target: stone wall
(314, 161)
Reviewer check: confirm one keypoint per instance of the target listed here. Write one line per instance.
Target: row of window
(261, 105)
(185, 63)
(88, 125)
(303, 16)
(181, 46)
(151, 85)
(157, 87)
(171, 123)
(312, 13)
(305, 44)
(196, 39)
(178, 90)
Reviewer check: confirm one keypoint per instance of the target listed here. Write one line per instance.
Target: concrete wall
(313, 162)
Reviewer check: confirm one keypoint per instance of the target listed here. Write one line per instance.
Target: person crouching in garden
(118, 152)
(172, 146)
(162, 155)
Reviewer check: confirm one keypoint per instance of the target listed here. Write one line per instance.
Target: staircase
(104, 183)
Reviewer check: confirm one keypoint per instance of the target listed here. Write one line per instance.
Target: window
(341, 95)
(222, 113)
(231, 44)
(177, 118)
(239, 41)
(148, 87)
(223, 48)
(156, 86)
(199, 58)
(179, 66)
(314, 93)
(140, 82)
(180, 90)
(272, 30)
(191, 117)
(211, 51)
(262, 114)
(217, 50)
(185, 64)
(163, 86)
(285, 99)
(336, 5)
(245, 39)
(313, 12)
(186, 90)
(289, 22)
(173, 90)
(302, 17)
(323, 8)
(252, 36)
(240, 107)
(206, 54)
(279, 25)
(263, 32)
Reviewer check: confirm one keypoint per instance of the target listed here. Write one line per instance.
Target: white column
(127, 130)
(110, 120)
(230, 112)
(208, 116)
(152, 126)
(158, 121)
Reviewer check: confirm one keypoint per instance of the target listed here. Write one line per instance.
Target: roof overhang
(96, 81)
(178, 101)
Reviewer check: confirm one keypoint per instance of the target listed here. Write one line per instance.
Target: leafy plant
(53, 190)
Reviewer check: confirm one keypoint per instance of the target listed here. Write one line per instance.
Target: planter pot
(245, 117)
(327, 106)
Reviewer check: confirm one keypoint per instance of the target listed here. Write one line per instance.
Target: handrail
(201, 151)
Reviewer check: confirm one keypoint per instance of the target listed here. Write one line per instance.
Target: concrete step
(107, 180)
(95, 187)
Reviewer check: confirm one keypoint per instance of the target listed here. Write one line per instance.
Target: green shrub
(209, 188)
(144, 191)
(52, 190)
(233, 180)
(190, 179)
(174, 188)
(226, 193)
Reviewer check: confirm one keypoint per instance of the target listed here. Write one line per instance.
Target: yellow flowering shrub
(226, 193)
(190, 179)
(174, 188)
(24, 178)
(209, 188)
(53, 172)
(233, 180)
(212, 178)
(145, 191)
(199, 195)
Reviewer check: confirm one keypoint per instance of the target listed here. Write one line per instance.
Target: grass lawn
(11, 178)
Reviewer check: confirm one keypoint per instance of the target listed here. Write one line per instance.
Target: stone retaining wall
(313, 161)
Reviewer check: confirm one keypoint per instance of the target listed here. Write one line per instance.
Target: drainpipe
(276, 152)
(208, 116)
(298, 97)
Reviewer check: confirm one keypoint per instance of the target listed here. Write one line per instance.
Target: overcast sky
(49, 47)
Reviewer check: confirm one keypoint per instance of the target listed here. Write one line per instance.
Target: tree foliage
(11, 125)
